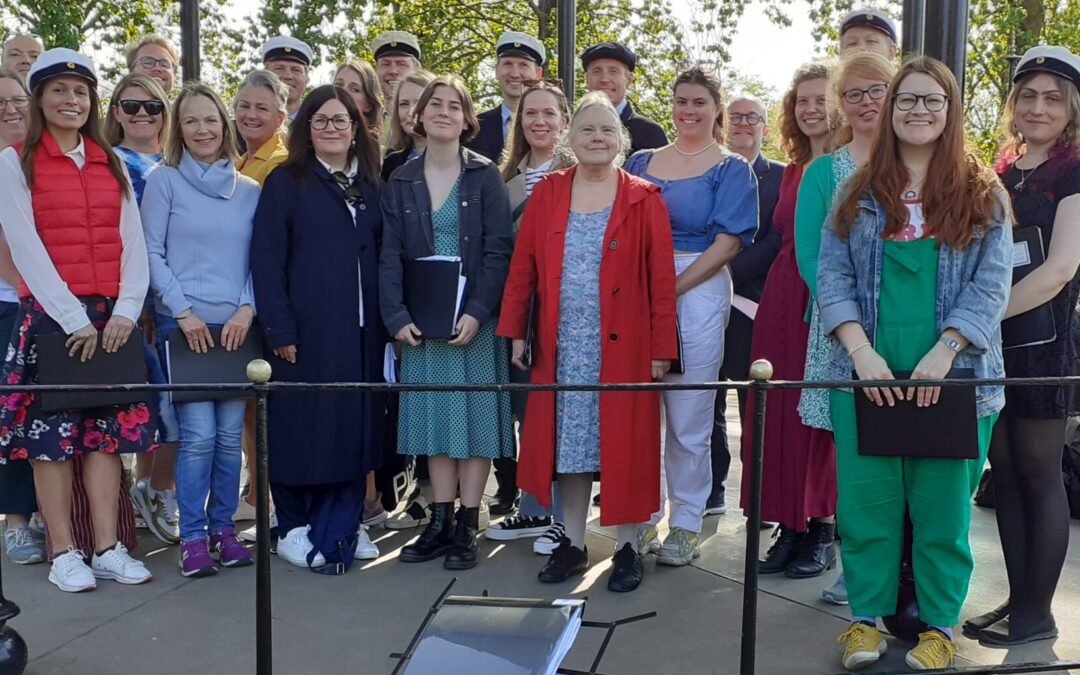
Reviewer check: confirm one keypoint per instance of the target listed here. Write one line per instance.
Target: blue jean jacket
(972, 290)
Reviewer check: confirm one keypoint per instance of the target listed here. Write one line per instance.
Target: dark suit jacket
(644, 133)
(751, 266)
(489, 142)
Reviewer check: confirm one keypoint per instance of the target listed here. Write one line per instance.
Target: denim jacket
(972, 290)
(485, 237)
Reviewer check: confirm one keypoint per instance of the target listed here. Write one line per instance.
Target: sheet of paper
(744, 305)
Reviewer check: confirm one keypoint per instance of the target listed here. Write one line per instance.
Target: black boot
(627, 570)
(436, 539)
(462, 555)
(565, 562)
(816, 554)
(782, 552)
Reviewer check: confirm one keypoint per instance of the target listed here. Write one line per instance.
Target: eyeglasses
(340, 122)
(932, 102)
(876, 93)
(149, 62)
(17, 102)
(152, 106)
(746, 118)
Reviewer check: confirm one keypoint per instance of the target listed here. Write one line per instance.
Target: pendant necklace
(692, 154)
(1019, 187)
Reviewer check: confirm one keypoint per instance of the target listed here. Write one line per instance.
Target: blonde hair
(153, 39)
(402, 140)
(867, 65)
(114, 131)
(174, 149)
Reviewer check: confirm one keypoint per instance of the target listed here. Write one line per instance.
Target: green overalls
(875, 491)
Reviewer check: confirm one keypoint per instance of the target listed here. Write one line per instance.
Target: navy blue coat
(751, 266)
(304, 255)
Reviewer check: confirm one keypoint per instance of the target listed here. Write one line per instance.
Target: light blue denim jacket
(972, 290)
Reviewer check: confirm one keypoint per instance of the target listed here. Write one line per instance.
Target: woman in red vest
(71, 220)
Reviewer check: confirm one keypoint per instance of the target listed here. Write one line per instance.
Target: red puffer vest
(77, 214)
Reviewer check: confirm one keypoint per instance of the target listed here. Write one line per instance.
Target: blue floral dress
(578, 412)
(460, 425)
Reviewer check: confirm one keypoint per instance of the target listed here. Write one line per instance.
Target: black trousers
(736, 366)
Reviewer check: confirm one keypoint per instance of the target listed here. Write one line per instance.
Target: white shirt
(351, 173)
(36, 267)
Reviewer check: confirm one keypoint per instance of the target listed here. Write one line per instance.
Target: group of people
(592, 249)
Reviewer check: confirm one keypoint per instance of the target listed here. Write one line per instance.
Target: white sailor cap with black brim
(1049, 59)
(513, 43)
(395, 43)
(60, 62)
(870, 18)
(286, 48)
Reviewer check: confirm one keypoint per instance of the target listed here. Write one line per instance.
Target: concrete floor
(351, 624)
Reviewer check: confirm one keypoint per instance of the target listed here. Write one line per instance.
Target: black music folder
(216, 366)
(125, 366)
(433, 289)
(947, 430)
(1035, 326)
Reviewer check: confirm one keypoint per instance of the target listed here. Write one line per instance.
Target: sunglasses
(152, 106)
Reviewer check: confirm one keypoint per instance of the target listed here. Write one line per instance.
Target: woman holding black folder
(449, 202)
(1041, 170)
(70, 217)
(197, 215)
(913, 275)
(314, 263)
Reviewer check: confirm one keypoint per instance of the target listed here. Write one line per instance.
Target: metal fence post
(760, 372)
(13, 652)
(258, 372)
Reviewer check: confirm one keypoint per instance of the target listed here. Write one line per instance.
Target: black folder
(126, 365)
(216, 366)
(946, 430)
(530, 331)
(1035, 326)
(433, 289)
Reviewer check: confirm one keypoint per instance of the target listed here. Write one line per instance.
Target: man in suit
(519, 59)
(289, 59)
(609, 67)
(747, 126)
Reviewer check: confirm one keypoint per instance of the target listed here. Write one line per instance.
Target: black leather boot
(462, 554)
(816, 554)
(782, 552)
(436, 539)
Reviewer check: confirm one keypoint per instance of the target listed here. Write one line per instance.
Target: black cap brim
(1047, 64)
(280, 54)
(65, 69)
(399, 50)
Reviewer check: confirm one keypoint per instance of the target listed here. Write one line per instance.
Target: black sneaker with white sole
(546, 543)
(518, 526)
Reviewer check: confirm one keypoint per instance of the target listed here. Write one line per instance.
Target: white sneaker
(117, 565)
(416, 513)
(546, 543)
(244, 511)
(294, 547)
(251, 534)
(70, 574)
(365, 548)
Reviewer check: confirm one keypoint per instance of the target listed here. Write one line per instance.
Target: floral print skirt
(27, 432)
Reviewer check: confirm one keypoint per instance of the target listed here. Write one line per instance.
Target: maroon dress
(799, 463)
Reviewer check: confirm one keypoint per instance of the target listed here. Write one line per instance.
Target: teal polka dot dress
(459, 425)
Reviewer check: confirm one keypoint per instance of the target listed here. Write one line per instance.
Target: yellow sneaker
(935, 650)
(862, 645)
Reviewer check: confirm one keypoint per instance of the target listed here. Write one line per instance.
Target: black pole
(946, 34)
(13, 652)
(760, 371)
(189, 39)
(258, 371)
(914, 20)
(567, 48)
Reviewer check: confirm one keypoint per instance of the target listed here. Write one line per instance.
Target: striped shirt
(533, 176)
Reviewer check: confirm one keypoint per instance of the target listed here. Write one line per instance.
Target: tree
(81, 23)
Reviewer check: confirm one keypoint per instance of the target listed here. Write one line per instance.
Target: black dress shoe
(437, 538)
(716, 504)
(816, 554)
(975, 624)
(1001, 634)
(462, 554)
(782, 552)
(566, 561)
(627, 570)
(503, 503)
(596, 499)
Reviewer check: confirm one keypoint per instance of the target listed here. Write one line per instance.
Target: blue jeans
(530, 507)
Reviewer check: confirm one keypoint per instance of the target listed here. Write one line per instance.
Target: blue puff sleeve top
(723, 200)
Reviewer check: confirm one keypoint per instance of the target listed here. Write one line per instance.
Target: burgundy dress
(799, 463)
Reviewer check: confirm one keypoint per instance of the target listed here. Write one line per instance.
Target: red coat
(637, 325)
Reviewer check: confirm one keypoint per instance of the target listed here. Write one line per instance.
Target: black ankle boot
(436, 539)
(462, 554)
(816, 554)
(782, 552)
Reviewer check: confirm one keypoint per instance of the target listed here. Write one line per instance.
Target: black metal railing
(259, 373)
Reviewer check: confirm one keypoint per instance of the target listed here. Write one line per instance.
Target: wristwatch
(952, 343)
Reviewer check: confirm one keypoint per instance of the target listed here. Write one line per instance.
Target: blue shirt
(198, 223)
(139, 166)
(507, 114)
(723, 200)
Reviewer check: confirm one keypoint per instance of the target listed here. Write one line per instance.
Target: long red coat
(637, 325)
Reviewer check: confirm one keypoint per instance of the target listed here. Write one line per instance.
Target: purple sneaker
(230, 551)
(195, 560)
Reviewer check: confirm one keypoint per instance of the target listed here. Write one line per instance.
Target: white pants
(687, 467)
